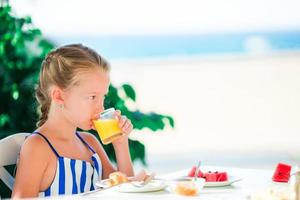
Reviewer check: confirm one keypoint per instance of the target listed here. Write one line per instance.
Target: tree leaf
(129, 91)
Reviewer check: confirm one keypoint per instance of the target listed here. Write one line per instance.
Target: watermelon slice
(282, 173)
(209, 176)
(215, 176)
(192, 172)
(222, 176)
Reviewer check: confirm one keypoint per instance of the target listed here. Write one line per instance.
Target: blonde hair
(61, 67)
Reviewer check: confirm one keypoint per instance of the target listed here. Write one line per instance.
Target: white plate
(222, 183)
(102, 184)
(153, 186)
(231, 180)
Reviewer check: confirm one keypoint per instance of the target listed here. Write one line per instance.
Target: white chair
(9, 153)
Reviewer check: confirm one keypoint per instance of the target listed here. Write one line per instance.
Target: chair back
(9, 152)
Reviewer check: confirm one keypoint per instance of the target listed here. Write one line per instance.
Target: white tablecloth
(253, 180)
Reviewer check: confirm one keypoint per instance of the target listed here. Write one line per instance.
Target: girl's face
(84, 101)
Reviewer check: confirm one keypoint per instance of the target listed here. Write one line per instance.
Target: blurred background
(226, 71)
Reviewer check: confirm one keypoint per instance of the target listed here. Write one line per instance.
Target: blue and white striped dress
(73, 176)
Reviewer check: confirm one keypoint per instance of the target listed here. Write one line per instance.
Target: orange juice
(108, 129)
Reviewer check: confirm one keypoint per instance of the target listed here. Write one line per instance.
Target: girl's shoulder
(35, 140)
(35, 147)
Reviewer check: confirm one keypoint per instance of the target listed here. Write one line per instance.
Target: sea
(120, 47)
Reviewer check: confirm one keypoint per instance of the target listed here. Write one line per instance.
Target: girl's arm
(121, 149)
(31, 167)
(121, 146)
(123, 156)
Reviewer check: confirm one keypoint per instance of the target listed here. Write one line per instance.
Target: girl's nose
(100, 109)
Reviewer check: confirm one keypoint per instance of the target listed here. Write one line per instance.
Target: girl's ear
(57, 95)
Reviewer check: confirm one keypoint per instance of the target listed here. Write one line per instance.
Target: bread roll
(117, 178)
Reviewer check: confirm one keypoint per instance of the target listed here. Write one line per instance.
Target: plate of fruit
(213, 178)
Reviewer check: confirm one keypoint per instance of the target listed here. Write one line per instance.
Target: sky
(140, 17)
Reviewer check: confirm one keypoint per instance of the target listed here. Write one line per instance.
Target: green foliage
(22, 49)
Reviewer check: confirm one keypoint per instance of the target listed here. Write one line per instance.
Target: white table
(252, 180)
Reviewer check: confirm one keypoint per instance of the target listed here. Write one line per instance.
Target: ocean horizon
(130, 47)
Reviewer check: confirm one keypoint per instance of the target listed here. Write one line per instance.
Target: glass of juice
(107, 126)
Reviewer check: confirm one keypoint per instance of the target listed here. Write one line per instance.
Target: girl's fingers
(122, 121)
(127, 127)
(124, 128)
(118, 114)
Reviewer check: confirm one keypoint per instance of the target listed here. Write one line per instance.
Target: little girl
(57, 159)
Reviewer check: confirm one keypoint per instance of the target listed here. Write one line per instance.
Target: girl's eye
(92, 97)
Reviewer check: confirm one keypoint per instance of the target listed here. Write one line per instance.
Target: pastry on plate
(117, 178)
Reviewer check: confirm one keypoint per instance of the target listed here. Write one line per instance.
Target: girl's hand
(125, 126)
(124, 123)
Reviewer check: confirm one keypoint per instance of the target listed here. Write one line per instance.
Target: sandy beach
(239, 111)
